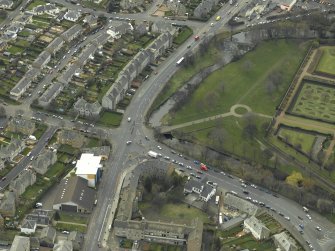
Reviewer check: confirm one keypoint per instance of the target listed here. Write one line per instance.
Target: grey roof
(49, 94)
(20, 243)
(68, 74)
(68, 35)
(100, 150)
(84, 55)
(8, 202)
(75, 189)
(7, 3)
(32, 73)
(48, 234)
(240, 204)
(23, 84)
(72, 14)
(20, 122)
(121, 27)
(93, 108)
(206, 190)
(101, 39)
(193, 183)
(256, 224)
(285, 241)
(58, 41)
(63, 245)
(41, 217)
(44, 8)
(90, 19)
(42, 58)
(29, 224)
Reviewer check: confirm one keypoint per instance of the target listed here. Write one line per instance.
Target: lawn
(245, 82)
(110, 119)
(327, 61)
(71, 227)
(40, 129)
(93, 142)
(15, 50)
(35, 3)
(298, 138)
(184, 34)
(55, 170)
(315, 101)
(73, 217)
(172, 212)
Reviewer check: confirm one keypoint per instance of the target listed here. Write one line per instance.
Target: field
(245, 82)
(110, 119)
(172, 212)
(316, 101)
(327, 61)
(299, 139)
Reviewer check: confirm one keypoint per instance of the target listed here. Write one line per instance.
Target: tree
(57, 216)
(148, 184)
(295, 179)
(250, 131)
(325, 206)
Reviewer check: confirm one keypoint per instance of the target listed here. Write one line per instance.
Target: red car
(203, 167)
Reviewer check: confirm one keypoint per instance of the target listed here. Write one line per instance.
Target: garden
(327, 61)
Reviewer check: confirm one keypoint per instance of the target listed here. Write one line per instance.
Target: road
(136, 131)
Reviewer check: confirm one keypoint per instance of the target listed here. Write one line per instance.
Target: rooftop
(88, 164)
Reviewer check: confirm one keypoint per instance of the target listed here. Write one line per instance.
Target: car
(192, 174)
(166, 157)
(212, 24)
(248, 198)
(129, 119)
(198, 177)
(318, 228)
(65, 232)
(159, 147)
(4, 178)
(255, 201)
(230, 176)
(308, 216)
(243, 185)
(253, 185)
(273, 210)
(275, 195)
(189, 46)
(180, 155)
(173, 152)
(31, 158)
(146, 137)
(223, 173)
(196, 162)
(189, 167)
(181, 170)
(245, 192)
(301, 226)
(199, 172)
(181, 164)
(300, 218)
(280, 213)
(233, 192)
(287, 218)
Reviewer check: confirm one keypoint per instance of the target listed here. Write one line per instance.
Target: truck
(203, 167)
(153, 154)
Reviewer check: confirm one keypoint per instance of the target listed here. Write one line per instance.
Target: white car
(159, 147)
(318, 228)
(308, 216)
(223, 173)
(233, 192)
(129, 119)
(254, 186)
(128, 142)
(287, 218)
(166, 157)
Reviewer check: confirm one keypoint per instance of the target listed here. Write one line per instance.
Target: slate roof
(75, 189)
(20, 243)
(63, 245)
(48, 234)
(29, 224)
(193, 183)
(93, 108)
(49, 94)
(206, 190)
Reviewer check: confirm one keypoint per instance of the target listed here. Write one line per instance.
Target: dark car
(245, 192)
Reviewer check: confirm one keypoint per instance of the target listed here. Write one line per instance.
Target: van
(129, 119)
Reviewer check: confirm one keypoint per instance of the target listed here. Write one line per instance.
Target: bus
(180, 61)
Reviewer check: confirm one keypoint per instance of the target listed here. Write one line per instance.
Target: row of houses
(43, 59)
(142, 59)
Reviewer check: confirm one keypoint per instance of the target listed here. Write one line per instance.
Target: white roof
(88, 164)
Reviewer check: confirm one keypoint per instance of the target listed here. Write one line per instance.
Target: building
(119, 28)
(50, 94)
(7, 204)
(48, 8)
(28, 226)
(204, 8)
(10, 151)
(71, 33)
(74, 196)
(89, 168)
(77, 240)
(233, 202)
(257, 228)
(193, 186)
(20, 88)
(6, 4)
(285, 242)
(72, 15)
(41, 217)
(91, 20)
(207, 193)
(63, 245)
(86, 109)
(25, 179)
(21, 125)
(161, 26)
(55, 45)
(43, 161)
(20, 243)
(71, 138)
(102, 151)
(47, 237)
(42, 60)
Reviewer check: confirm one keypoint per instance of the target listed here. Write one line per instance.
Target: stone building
(257, 228)
(285, 242)
(21, 125)
(72, 138)
(7, 204)
(43, 161)
(25, 179)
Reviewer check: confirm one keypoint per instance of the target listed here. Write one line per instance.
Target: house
(41, 217)
(77, 240)
(74, 196)
(25, 179)
(233, 202)
(193, 186)
(34, 243)
(160, 45)
(42, 60)
(28, 226)
(20, 243)
(91, 20)
(67, 75)
(25, 18)
(47, 237)
(21, 125)
(130, 4)
(69, 137)
(55, 45)
(71, 33)
(43, 161)
(10, 151)
(207, 193)
(162, 26)
(86, 54)
(20, 88)
(63, 245)
(72, 15)
(50, 94)
(204, 8)
(6, 4)
(48, 8)
(140, 30)
(119, 28)
(86, 109)
(7, 204)
(285, 242)
(257, 228)
(89, 168)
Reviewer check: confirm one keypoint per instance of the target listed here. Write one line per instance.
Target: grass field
(176, 212)
(110, 118)
(73, 217)
(327, 61)
(245, 81)
(184, 34)
(298, 138)
(316, 101)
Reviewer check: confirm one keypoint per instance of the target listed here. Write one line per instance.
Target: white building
(28, 226)
(257, 228)
(89, 168)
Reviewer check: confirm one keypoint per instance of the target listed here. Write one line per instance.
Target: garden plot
(327, 61)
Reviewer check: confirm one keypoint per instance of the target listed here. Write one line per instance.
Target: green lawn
(73, 217)
(71, 227)
(35, 3)
(300, 139)
(176, 212)
(40, 129)
(93, 142)
(110, 118)
(327, 61)
(15, 50)
(245, 82)
(55, 170)
(184, 34)
(316, 101)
